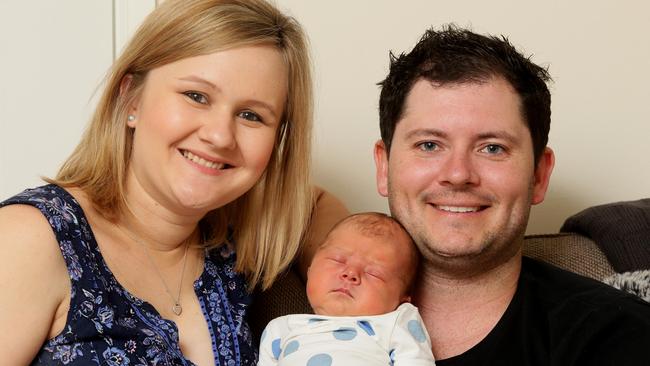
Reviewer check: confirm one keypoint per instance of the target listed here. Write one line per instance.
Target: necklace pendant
(177, 309)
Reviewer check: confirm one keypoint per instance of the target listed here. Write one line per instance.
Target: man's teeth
(201, 161)
(458, 209)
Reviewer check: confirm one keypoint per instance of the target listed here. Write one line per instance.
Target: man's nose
(458, 169)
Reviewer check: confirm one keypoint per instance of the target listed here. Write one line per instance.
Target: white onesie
(395, 338)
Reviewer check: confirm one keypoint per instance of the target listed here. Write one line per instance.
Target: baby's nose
(350, 276)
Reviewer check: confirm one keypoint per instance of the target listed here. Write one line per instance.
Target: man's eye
(197, 97)
(251, 116)
(428, 146)
(493, 149)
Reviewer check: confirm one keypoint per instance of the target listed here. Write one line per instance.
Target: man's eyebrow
(432, 132)
(502, 135)
(425, 132)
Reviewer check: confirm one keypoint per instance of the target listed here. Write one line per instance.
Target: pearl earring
(131, 118)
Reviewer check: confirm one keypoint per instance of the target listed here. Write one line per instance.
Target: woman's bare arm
(33, 284)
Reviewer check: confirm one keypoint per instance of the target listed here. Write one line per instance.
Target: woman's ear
(125, 85)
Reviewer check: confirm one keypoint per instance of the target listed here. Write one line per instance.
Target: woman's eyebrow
(200, 80)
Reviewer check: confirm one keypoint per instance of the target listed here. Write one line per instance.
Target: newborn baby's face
(353, 274)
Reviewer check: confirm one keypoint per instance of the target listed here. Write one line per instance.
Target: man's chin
(467, 261)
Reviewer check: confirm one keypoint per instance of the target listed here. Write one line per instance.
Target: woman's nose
(218, 130)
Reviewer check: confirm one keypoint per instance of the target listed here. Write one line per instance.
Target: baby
(358, 285)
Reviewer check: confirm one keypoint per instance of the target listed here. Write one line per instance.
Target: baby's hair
(378, 224)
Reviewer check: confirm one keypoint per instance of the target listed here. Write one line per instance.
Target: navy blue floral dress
(108, 326)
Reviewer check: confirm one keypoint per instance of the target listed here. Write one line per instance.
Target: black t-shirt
(559, 318)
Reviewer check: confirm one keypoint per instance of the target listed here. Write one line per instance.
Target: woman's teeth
(206, 163)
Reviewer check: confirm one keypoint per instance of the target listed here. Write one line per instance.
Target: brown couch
(573, 252)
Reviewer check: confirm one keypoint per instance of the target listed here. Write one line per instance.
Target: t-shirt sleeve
(271, 341)
(615, 334)
(409, 344)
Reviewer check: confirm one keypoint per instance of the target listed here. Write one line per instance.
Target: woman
(200, 141)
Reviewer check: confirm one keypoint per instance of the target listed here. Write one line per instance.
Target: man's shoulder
(565, 294)
(568, 319)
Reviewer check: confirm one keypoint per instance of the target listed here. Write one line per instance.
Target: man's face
(461, 175)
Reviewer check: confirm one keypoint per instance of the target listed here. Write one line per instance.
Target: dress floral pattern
(106, 325)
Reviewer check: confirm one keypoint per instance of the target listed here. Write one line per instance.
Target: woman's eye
(197, 97)
(493, 149)
(428, 146)
(251, 116)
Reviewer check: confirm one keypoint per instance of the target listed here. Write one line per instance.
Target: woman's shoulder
(25, 214)
(29, 238)
(26, 233)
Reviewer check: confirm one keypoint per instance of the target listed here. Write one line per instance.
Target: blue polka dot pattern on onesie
(416, 330)
(316, 320)
(363, 324)
(275, 347)
(291, 348)
(345, 334)
(321, 359)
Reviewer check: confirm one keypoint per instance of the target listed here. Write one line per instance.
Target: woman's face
(205, 127)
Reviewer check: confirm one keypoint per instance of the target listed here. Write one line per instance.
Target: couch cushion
(286, 296)
(570, 251)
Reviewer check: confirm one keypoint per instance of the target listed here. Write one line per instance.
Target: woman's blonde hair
(269, 220)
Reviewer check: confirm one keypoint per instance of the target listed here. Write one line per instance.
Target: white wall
(54, 54)
(598, 53)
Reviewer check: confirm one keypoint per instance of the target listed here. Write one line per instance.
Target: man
(464, 123)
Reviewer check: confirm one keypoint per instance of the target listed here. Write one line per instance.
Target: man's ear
(543, 175)
(381, 164)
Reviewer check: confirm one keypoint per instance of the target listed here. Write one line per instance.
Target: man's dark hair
(454, 55)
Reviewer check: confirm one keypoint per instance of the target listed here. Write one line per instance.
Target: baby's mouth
(344, 291)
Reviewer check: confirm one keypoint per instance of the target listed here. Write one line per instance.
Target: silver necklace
(176, 308)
